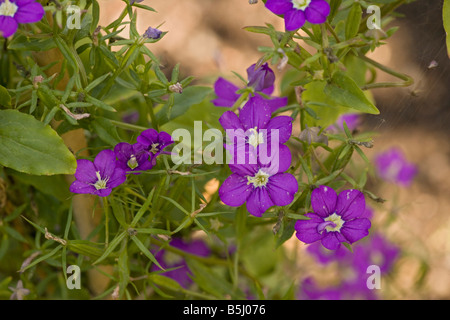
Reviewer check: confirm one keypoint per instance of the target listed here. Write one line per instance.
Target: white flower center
(8, 9)
(101, 183)
(255, 138)
(132, 163)
(259, 180)
(337, 220)
(154, 149)
(301, 4)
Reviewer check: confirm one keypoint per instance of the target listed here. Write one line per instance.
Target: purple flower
(13, 12)
(260, 80)
(352, 120)
(309, 290)
(261, 186)
(152, 33)
(98, 177)
(154, 142)
(393, 166)
(255, 126)
(135, 1)
(297, 12)
(168, 259)
(377, 251)
(133, 157)
(335, 218)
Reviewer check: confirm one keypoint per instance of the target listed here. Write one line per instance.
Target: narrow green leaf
(106, 130)
(353, 21)
(145, 251)
(112, 245)
(142, 209)
(45, 257)
(96, 82)
(100, 104)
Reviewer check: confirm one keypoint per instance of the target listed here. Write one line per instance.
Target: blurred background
(207, 38)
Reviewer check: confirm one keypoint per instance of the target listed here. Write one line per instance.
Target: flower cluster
(260, 157)
(110, 167)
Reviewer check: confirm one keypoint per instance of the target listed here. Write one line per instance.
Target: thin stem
(333, 33)
(106, 211)
(128, 126)
(407, 79)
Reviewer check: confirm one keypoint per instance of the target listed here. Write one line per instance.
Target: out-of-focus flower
(297, 12)
(169, 260)
(133, 157)
(392, 166)
(98, 177)
(352, 120)
(335, 218)
(311, 135)
(325, 256)
(309, 290)
(376, 251)
(15, 12)
(260, 80)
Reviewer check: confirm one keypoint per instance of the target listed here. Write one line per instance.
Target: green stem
(407, 79)
(106, 212)
(128, 126)
(152, 113)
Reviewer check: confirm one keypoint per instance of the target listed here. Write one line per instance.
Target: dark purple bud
(152, 33)
(260, 78)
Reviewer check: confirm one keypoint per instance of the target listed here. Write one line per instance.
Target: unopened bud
(177, 88)
(140, 69)
(37, 80)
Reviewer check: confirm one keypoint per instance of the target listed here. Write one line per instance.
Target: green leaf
(145, 251)
(165, 282)
(86, 248)
(190, 97)
(345, 92)
(209, 281)
(106, 131)
(353, 21)
(446, 19)
(23, 43)
(27, 145)
(55, 185)
(112, 245)
(5, 98)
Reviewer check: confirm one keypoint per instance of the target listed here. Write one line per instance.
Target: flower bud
(152, 33)
(177, 88)
(311, 135)
(260, 78)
